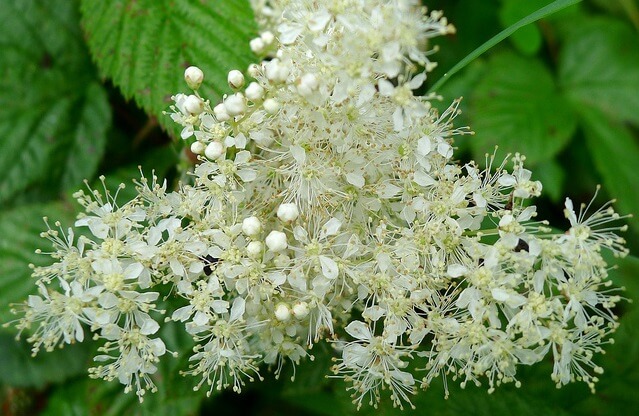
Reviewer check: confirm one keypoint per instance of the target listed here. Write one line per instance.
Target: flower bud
(300, 310)
(275, 71)
(235, 104)
(251, 226)
(287, 212)
(220, 113)
(271, 106)
(257, 45)
(193, 77)
(253, 70)
(235, 79)
(276, 241)
(198, 148)
(307, 84)
(267, 37)
(282, 312)
(254, 248)
(254, 91)
(194, 104)
(214, 150)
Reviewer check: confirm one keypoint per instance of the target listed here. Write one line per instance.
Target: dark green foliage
(54, 113)
(144, 46)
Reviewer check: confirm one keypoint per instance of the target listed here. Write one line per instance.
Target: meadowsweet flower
(327, 204)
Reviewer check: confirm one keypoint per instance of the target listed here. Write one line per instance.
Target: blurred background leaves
(83, 86)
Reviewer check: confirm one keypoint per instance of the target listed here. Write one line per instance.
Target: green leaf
(615, 153)
(526, 40)
(20, 369)
(552, 176)
(19, 238)
(553, 7)
(516, 106)
(599, 67)
(145, 45)
(53, 113)
(64, 400)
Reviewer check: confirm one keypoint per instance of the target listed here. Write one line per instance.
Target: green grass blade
(531, 18)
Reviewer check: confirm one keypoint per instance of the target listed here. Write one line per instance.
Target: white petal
(330, 228)
(359, 330)
(237, 310)
(422, 179)
(183, 313)
(298, 153)
(220, 306)
(247, 175)
(133, 270)
(500, 295)
(355, 179)
(457, 270)
(385, 87)
(329, 268)
(98, 228)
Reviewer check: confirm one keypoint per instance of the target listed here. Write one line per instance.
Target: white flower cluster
(327, 205)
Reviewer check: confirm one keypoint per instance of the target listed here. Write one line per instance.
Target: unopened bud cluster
(327, 205)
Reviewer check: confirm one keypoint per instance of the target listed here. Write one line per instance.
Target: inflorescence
(326, 205)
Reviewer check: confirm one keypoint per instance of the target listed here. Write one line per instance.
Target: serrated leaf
(517, 107)
(599, 67)
(615, 153)
(53, 113)
(145, 45)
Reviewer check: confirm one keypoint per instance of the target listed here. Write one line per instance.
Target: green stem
(531, 18)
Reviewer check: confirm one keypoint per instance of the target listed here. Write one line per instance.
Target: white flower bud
(193, 77)
(235, 79)
(300, 310)
(282, 312)
(287, 212)
(214, 150)
(271, 106)
(198, 148)
(251, 226)
(254, 91)
(276, 71)
(267, 37)
(235, 104)
(253, 70)
(307, 84)
(254, 248)
(276, 241)
(220, 113)
(257, 45)
(194, 104)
